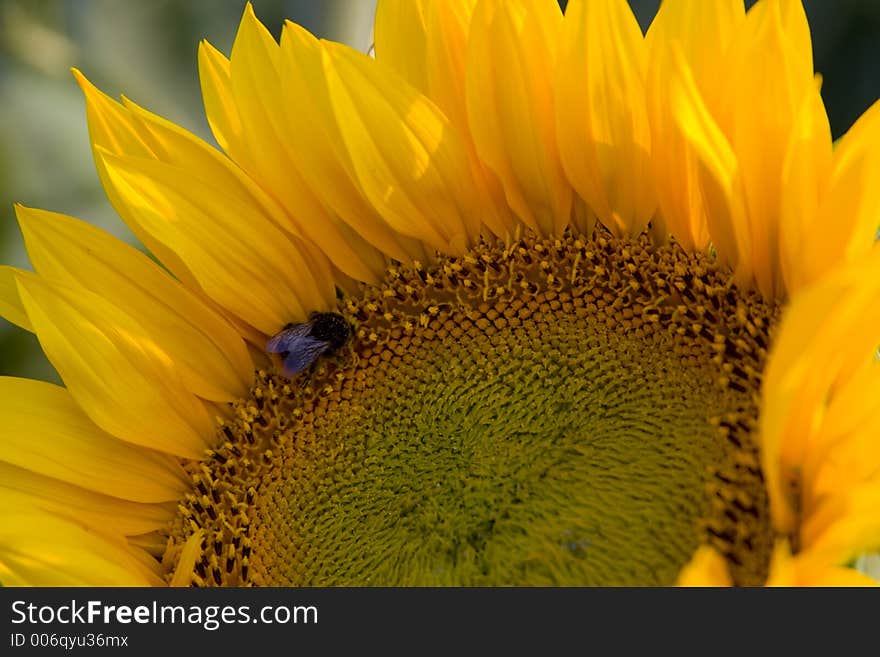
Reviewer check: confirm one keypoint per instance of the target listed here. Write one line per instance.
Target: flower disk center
(568, 412)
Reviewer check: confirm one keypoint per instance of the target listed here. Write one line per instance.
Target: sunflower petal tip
(84, 83)
(22, 212)
(249, 17)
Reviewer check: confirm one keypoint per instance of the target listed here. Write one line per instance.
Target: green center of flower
(572, 412)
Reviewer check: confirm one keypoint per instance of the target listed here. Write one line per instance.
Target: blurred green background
(147, 49)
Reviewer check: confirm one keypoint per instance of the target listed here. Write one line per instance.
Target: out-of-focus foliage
(146, 49)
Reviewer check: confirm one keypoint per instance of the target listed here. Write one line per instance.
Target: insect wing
(297, 347)
(303, 354)
(283, 340)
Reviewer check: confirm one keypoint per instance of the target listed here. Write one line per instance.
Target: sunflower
(549, 301)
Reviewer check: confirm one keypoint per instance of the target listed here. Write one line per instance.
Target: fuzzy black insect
(299, 345)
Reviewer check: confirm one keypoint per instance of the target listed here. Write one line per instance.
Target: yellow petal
(134, 135)
(760, 132)
(833, 322)
(10, 303)
(271, 147)
(447, 36)
(840, 466)
(847, 221)
(845, 451)
(357, 234)
(400, 36)
(836, 576)
(806, 170)
(763, 147)
(844, 525)
(772, 71)
(98, 511)
(510, 107)
(241, 252)
(706, 568)
(110, 128)
(407, 158)
(43, 430)
(703, 31)
(782, 567)
(220, 108)
(186, 562)
(801, 570)
(255, 84)
(152, 543)
(314, 284)
(604, 136)
(209, 354)
(41, 549)
(425, 42)
(793, 23)
(718, 170)
(120, 377)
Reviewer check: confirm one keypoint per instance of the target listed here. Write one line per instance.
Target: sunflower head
(521, 298)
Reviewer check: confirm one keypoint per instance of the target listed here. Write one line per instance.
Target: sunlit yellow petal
(782, 566)
(789, 571)
(792, 21)
(847, 220)
(845, 451)
(510, 107)
(718, 170)
(152, 543)
(702, 31)
(110, 128)
(604, 137)
(181, 159)
(220, 108)
(276, 149)
(313, 283)
(96, 510)
(408, 160)
(118, 375)
(763, 163)
(43, 430)
(306, 143)
(187, 560)
(839, 467)
(182, 210)
(844, 525)
(761, 131)
(10, 303)
(832, 323)
(208, 353)
(255, 85)
(836, 576)
(400, 35)
(42, 549)
(425, 42)
(706, 568)
(806, 170)
(358, 233)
